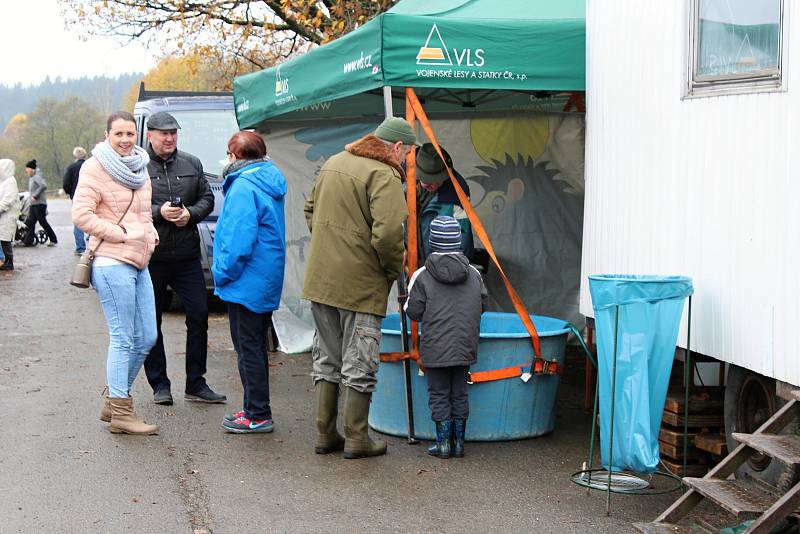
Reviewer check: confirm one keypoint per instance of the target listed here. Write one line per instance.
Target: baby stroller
(39, 237)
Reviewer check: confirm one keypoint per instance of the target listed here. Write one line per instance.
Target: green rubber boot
(357, 442)
(326, 408)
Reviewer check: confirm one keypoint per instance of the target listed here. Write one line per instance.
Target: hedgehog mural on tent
(535, 222)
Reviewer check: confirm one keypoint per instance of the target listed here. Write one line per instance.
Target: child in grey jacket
(447, 296)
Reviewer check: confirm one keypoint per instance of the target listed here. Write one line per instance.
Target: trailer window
(735, 46)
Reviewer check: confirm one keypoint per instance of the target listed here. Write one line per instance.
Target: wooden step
(731, 495)
(667, 528)
(785, 448)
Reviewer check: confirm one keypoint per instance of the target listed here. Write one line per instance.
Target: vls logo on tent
(281, 84)
(435, 52)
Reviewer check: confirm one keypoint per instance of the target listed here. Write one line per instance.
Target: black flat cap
(162, 121)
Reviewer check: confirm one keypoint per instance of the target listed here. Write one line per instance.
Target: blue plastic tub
(499, 410)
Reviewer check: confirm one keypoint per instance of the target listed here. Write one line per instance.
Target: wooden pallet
(692, 470)
(701, 400)
(716, 444)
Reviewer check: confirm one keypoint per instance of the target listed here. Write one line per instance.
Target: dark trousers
(186, 280)
(249, 336)
(8, 251)
(38, 213)
(448, 396)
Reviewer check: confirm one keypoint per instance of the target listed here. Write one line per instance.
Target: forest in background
(105, 93)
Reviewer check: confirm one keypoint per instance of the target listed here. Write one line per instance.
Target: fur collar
(371, 147)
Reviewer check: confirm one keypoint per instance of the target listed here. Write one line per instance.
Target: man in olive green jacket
(355, 214)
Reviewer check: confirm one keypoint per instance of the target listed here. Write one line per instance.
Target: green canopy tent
(485, 72)
(459, 50)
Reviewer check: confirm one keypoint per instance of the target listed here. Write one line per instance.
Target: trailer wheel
(750, 400)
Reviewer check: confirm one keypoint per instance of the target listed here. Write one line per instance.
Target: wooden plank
(713, 443)
(695, 420)
(701, 400)
(667, 528)
(674, 436)
(776, 513)
(676, 468)
(676, 452)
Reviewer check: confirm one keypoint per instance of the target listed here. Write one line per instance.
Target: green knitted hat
(396, 129)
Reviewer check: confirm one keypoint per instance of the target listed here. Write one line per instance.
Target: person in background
(181, 199)
(447, 296)
(69, 184)
(112, 205)
(437, 196)
(9, 212)
(249, 259)
(37, 188)
(355, 214)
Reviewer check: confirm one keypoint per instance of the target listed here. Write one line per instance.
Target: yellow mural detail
(494, 138)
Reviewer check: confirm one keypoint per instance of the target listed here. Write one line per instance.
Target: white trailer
(692, 168)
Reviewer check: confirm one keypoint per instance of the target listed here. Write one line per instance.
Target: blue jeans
(126, 294)
(80, 241)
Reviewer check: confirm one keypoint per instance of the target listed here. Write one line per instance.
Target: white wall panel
(706, 187)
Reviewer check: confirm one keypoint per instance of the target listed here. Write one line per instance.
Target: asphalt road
(62, 471)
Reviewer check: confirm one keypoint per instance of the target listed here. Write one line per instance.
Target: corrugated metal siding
(704, 187)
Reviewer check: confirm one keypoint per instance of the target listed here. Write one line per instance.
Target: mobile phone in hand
(176, 202)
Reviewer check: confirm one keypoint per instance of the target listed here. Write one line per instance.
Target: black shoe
(163, 397)
(8, 265)
(205, 395)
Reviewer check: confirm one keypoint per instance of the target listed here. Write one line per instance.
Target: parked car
(207, 122)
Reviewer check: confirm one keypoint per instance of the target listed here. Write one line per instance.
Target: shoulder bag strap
(133, 193)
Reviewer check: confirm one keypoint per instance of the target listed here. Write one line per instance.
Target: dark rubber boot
(459, 429)
(444, 430)
(357, 442)
(8, 264)
(326, 408)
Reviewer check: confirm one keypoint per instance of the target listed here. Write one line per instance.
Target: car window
(205, 134)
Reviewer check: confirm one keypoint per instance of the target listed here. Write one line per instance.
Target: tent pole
(387, 101)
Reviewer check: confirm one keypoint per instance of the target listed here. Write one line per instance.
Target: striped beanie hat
(445, 234)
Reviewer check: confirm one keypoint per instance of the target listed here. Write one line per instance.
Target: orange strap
(413, 103)
(399, 356)
(576, 100)
(538, 367)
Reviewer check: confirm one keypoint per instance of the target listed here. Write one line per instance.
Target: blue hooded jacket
(250, 238)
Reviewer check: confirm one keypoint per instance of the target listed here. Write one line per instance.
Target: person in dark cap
(436, 196)
(37, 188)
(181, 199)
(355, 213)
(447, 296)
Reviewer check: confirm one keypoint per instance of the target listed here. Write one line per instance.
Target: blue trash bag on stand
(646, 312)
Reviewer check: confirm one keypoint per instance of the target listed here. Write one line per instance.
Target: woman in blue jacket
(249, 258)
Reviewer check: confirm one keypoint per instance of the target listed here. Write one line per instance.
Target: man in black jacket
(181, 199)
(70, 184)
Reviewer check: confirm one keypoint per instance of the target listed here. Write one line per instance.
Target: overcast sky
(35, 44)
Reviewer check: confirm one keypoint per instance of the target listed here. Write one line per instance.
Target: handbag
(82, 273)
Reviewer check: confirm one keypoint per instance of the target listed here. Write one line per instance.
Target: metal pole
(401, 298)
(613, 399)
(387, 101)
(687, 378)
(594, 425)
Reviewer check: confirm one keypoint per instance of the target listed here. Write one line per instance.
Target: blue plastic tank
(499, 410)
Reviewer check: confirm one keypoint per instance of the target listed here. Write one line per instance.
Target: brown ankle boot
(105, 411)
(125, 421)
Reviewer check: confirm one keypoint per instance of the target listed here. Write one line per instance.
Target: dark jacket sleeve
(415, 305)
(484, 293)
(66, 182)
(205, 197)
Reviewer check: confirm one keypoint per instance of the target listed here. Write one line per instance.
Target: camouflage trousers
(346, 347)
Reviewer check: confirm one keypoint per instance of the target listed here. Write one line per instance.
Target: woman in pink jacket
(112, 205)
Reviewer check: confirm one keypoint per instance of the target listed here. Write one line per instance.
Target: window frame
(751, 82)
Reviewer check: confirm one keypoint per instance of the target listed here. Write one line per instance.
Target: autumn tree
(49, 134)
(241, 35)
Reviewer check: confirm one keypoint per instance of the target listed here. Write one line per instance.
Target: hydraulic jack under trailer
(736, 497)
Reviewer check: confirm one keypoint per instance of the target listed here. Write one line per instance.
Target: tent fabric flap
(497, 54)
(345, 67)
(448, 44)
